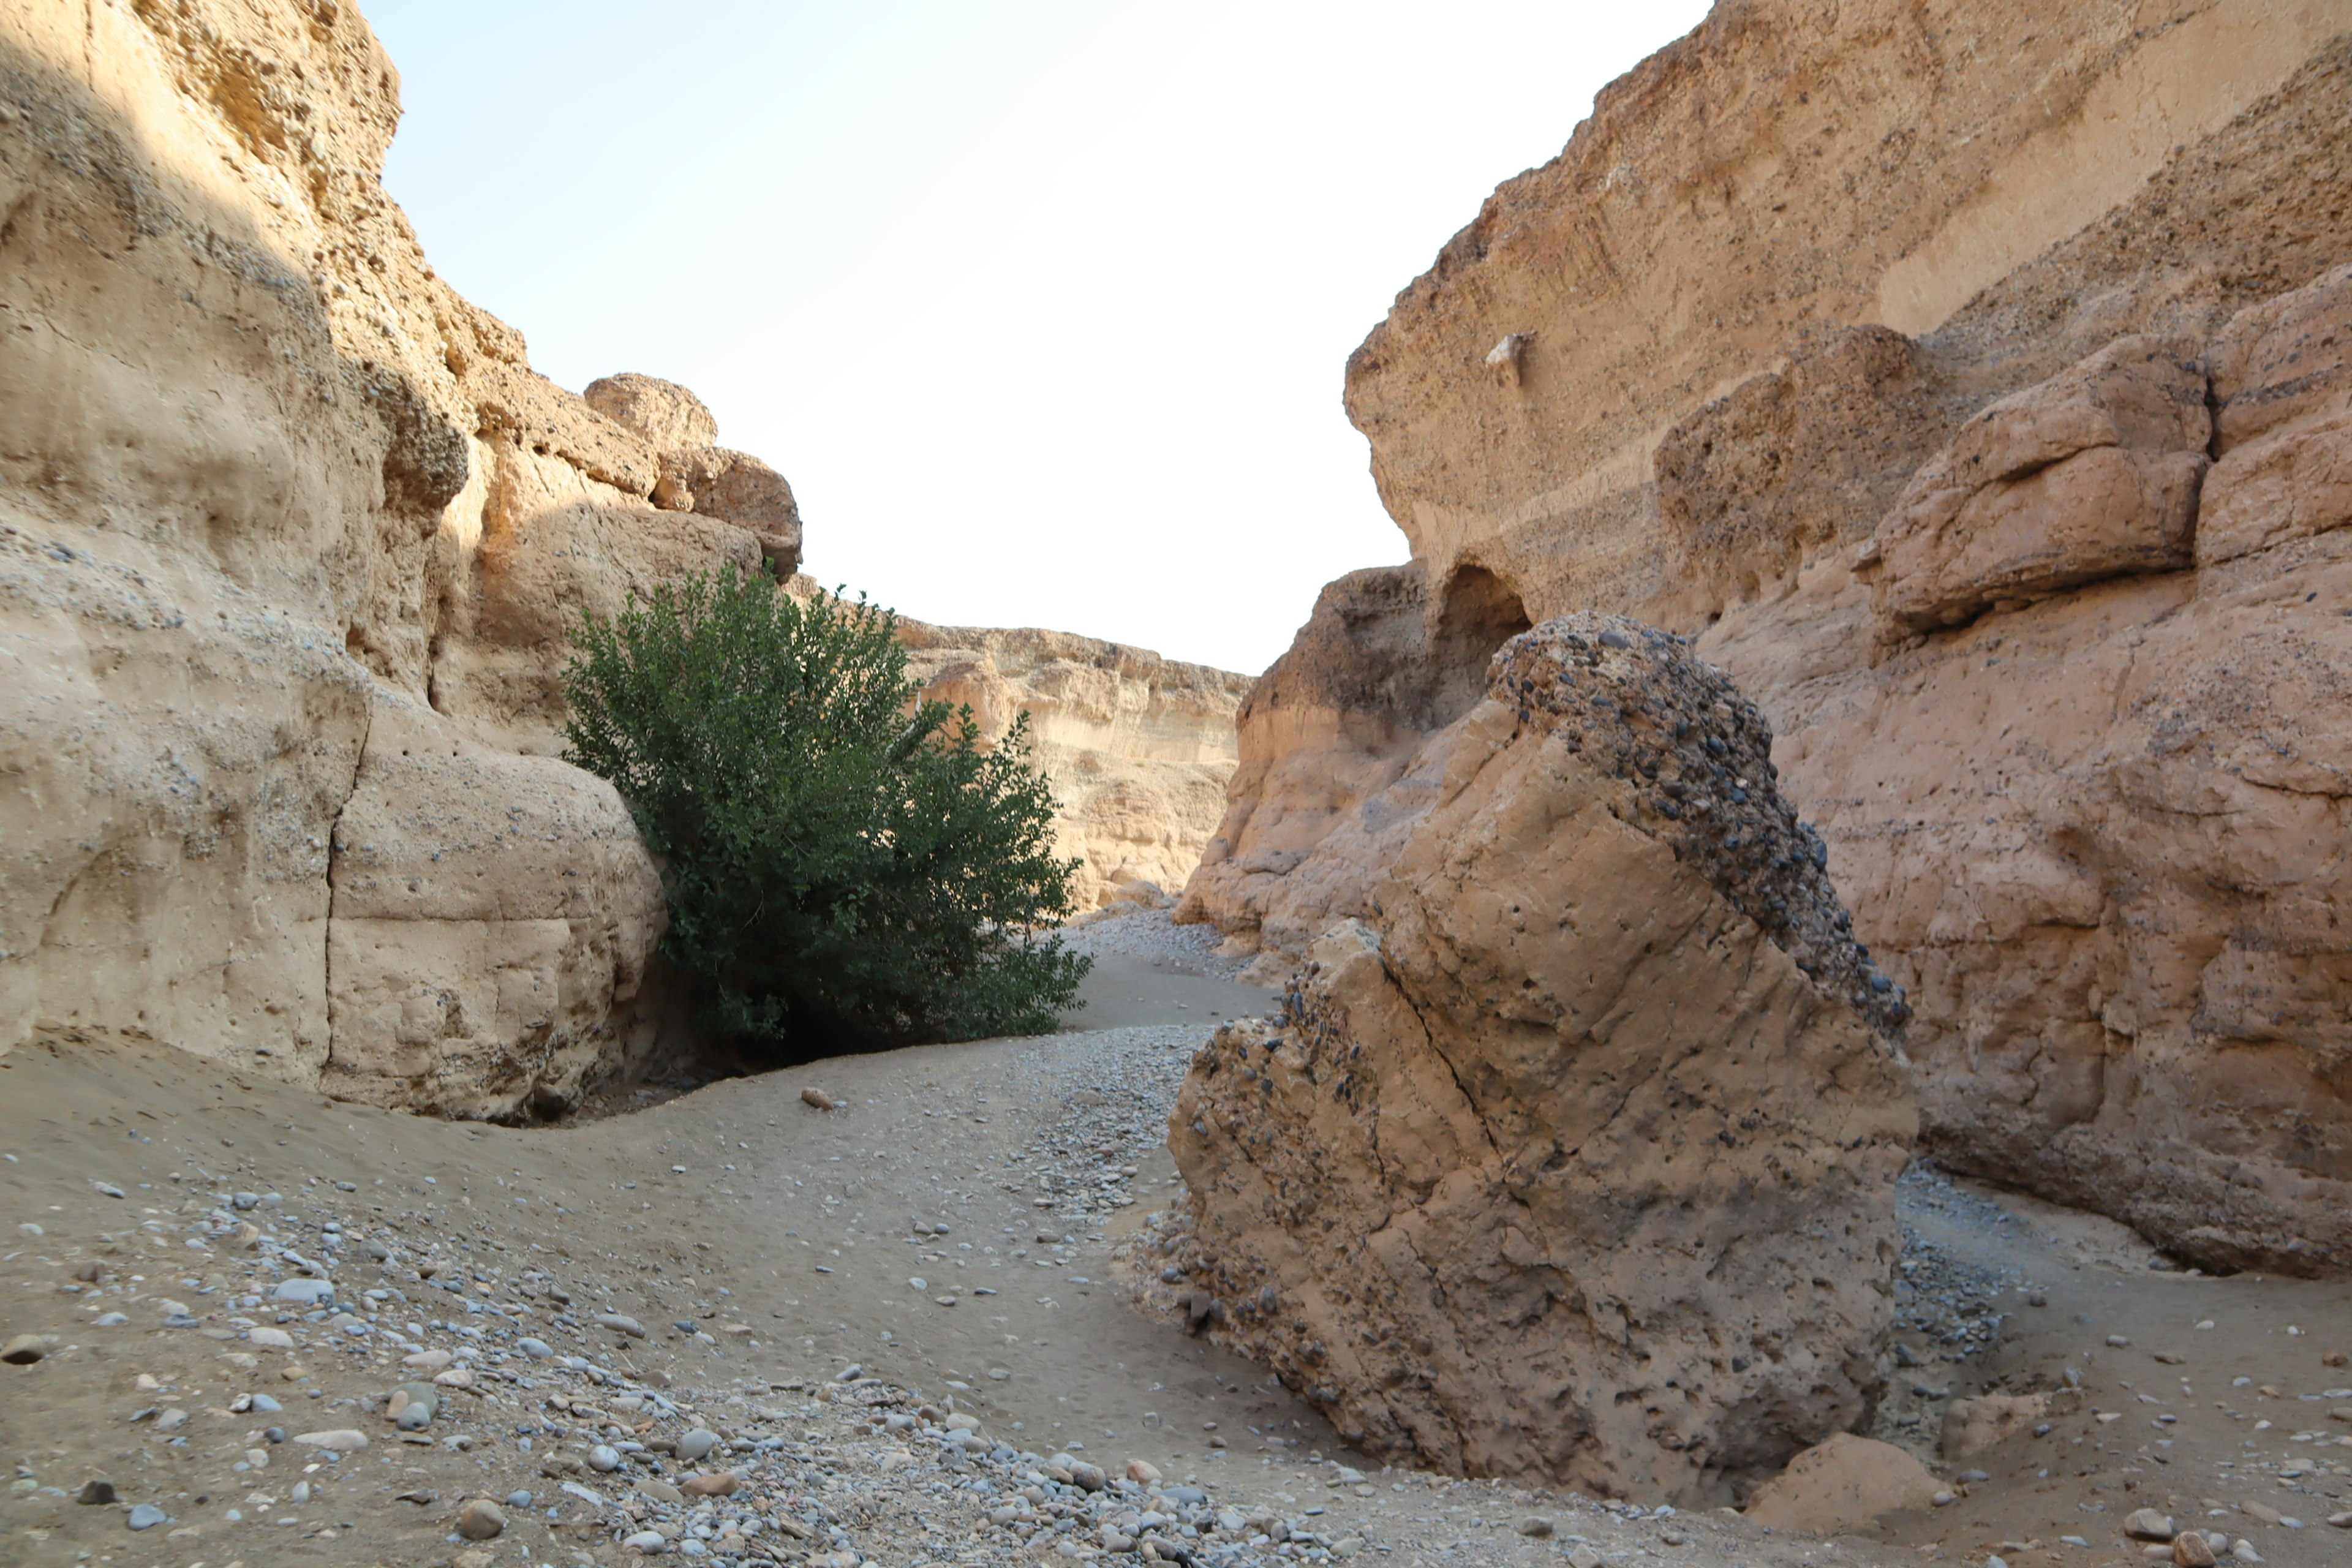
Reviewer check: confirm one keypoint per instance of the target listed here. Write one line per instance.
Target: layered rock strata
(1577, 1160)
(1978, 409)
(1138, 749)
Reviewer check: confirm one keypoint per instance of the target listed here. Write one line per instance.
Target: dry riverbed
(735, 1328)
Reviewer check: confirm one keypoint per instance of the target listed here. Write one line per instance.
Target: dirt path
(765, 1248)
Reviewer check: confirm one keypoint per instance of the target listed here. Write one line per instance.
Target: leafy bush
(846, 866)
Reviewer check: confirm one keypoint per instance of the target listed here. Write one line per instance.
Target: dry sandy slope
(797, 1224)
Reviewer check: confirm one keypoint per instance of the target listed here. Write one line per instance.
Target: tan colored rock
(275, 496)
(2079, 826)
(2092, 474)
(662, 413)
(1579, 1162)
(2283, 391)
(490, 912)
(1845, 1484)
(1336, 724)
(1136, 748)
(1972, 1426)
(735, 488)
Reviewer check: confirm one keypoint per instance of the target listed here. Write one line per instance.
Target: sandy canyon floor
(892, 1318)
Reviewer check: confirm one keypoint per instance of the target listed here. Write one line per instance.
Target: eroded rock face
(1578, 1161)
(662, 413)
(1336, 724)
(2006, 471)
(2092, 474)
(736, 488)
(491, 913)
(1138, 748)
(275, 497)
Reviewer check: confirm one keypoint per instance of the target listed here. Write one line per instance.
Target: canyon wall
(1138, 749)
(1965, 378)
(290, 538)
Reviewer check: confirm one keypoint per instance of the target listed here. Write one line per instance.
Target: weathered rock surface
(736, 488)
(491, 913)
(293, 536)
(2092, 474)
(1337, 721)
(1845, 1484)
(1983, 413)
(292, 541)
(662, 413)
(1138, 748)
(1578, 1162)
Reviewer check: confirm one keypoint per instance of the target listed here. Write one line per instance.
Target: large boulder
(735, 488)
(492, 918)
(662, 413)
(1577, 1162)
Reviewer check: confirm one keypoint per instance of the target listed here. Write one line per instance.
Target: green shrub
(846, 867)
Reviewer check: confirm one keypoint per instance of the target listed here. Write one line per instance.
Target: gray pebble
(147, 1516)
(697, 1445)
(307, 1292)
(603, 1460)
(537, 1349)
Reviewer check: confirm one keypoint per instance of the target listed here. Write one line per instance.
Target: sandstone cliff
(1578, 1162)
(1138, 749)
(1965, 377)
(290, 535)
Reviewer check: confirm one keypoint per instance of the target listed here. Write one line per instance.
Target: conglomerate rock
(1578, 1161)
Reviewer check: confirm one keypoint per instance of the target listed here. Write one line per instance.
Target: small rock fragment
(722, 1483)
(1536, 1528)
(481, 1520)
(23, 1351)
(146, 1516)
(342, 1439)
(96, 1492)
(2192, 1550)
(817, 1098)
(2146, 1524)
(697, 1445)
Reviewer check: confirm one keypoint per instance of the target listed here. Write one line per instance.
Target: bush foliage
(847, 867)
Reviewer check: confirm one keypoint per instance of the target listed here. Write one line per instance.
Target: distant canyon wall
(1138, 749)
(1968, 379)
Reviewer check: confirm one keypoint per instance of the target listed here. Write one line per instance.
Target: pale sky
(1041, 306)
